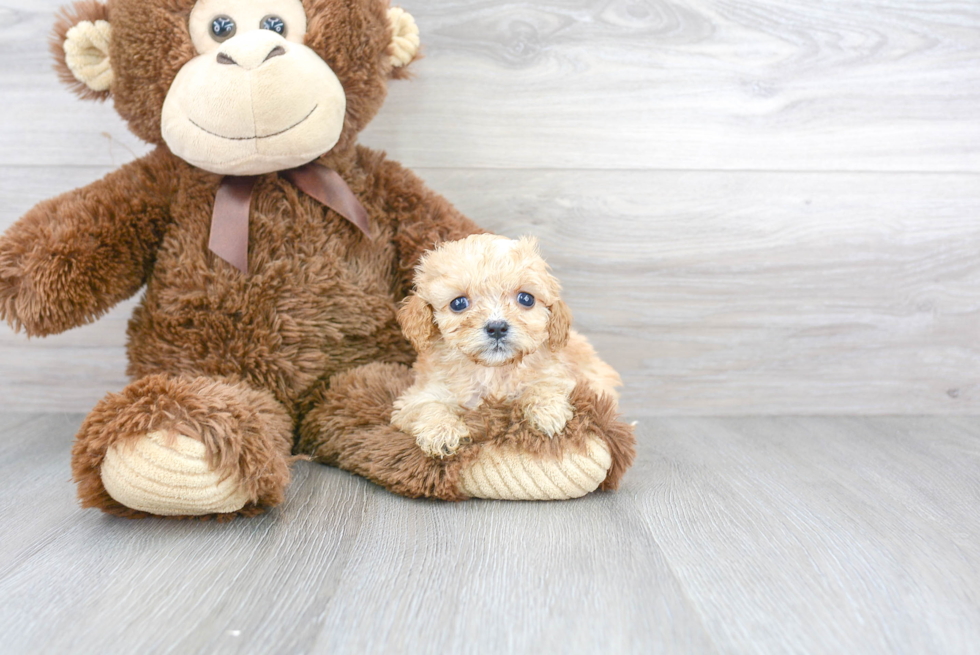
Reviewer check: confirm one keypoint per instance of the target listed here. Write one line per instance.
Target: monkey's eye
(275, 24)
(459, 304)
(525, 299)
(223, 28)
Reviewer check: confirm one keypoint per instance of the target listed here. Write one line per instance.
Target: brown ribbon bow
(233, 202)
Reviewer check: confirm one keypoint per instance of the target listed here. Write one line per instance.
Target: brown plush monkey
(274, 251)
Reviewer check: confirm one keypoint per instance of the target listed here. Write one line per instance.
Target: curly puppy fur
(493, 348)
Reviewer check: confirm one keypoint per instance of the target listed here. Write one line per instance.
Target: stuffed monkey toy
(274, 252)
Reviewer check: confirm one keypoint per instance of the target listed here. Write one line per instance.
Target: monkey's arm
(71, 258)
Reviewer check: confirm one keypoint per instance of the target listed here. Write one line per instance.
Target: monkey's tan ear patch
(87, 54)
(405, 41)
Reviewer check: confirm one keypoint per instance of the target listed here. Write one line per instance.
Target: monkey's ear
(405, 41)
(415, 317)
(80, 45)
(559, 324)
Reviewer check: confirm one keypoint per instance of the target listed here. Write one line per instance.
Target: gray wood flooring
(730, 535)
(756, 207)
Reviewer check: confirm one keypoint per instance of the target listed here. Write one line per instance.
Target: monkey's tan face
(255, 100)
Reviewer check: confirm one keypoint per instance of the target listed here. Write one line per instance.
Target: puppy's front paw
(442, 439)
(549, 417)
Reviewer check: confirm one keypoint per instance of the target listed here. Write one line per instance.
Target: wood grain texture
(755, 535)
(695, 84)
(698, 84)
(761, 293)
(713, 293)
(715, 183)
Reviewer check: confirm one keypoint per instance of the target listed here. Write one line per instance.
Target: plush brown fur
(230, 359)
(503, 423)
(71, 258)
(90, 10)
(349, 427)
(243, 430)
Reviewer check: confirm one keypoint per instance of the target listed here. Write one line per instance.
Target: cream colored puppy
(487, 321)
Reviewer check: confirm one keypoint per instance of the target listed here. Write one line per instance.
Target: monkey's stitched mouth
(254, 138)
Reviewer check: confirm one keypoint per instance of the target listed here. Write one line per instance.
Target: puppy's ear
(415, 318)
(559, 323)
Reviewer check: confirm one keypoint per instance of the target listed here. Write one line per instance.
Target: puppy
(487, 322)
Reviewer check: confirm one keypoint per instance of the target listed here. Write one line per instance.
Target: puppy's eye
(459, 304)
(275, 24)
(223, 28)
(526, 299)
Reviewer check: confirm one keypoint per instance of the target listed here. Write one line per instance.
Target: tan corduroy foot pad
(504, 474)
(169, 480)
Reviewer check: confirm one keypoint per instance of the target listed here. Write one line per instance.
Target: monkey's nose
(252, 49)
(497, 329)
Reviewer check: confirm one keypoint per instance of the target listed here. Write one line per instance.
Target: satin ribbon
(233, 202)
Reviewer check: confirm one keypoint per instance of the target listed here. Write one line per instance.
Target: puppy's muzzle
(497, 330)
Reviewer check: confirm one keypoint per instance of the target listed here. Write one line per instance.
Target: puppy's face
(489, 297)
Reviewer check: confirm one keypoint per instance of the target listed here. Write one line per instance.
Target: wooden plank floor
(730, 535)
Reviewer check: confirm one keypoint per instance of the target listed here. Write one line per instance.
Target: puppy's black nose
(497, 329)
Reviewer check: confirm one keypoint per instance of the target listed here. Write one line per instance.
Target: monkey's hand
(71, 258)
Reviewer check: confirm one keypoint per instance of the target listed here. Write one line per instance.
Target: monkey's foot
(168, 475)
(505, 473)
(182, 447)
